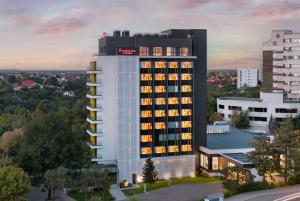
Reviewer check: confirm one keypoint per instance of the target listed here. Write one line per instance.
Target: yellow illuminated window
(171, 51)
(160, 89)
(146, 138)
(186, 136)
(146, 64)
(157, 51)
(186, 124)
(160, 150)
(186, 88)
(186, 76)
(186, 112)
(146, 77)
(173, 148)
(173, 101)
(186, 64)
(144, 51)
(160, 113)
(160, 125)
(146, 126)
(146, 101)
(160, 101)
(160, 76)
(160, 64)
(146, 150)
(146, 113)
(173, 113)
(173, 76)
(186, 147)
(186, 100)
(146, 89)
(184, 51)
(173, 64)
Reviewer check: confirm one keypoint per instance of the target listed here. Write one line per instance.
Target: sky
(63, 34)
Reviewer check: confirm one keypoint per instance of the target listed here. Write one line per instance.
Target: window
(173, 137)
(186, 88)
(174, 124)
(146, 113)
(184, 51)
(144, 51)
(145, 77)
(173, 64)
(146, 64)
(173, 149)
(146, 101)
(173, 101)
(230, 107)
(160, 89)
(295, 40)
(186, 100)
(173, 88)
(221, 107)
(186, 124)
(186, 136)
(173, 113)
(173, 76)
(160, 64)
(186, 76)
(159, 113)
(215, 163)
(286, 110)
(160, 76)
(160, 125)
(146, 138)
(186, 147)
(160, 101)
(146, 126)
(258, 118)
(186, 112)
(160, 150)
(171, 51)
(230, 164)
(186, 64)
(204, 161)
(146, 150)
(146, 89)
(163, 137)
(257, 109)
(157, 51)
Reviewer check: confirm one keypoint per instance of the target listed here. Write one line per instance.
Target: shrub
(294, 180)
(123, 183)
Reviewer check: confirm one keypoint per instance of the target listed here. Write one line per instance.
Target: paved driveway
(182, 192)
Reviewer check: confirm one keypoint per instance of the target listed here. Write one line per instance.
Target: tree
(149, 173)
(55, 180)
(9, 141)
(239, 119)
(216, 116)
(273, 125)
(105, 181)
(14, 184)
(264, 156)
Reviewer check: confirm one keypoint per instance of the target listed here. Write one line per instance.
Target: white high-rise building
(281, 64)
(247, 77)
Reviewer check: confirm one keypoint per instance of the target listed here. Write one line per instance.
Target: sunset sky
(62, 34)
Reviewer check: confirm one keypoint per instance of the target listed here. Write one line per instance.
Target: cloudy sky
(62, 34)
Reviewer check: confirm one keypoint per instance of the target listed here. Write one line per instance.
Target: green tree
(264, 156)
(273, 125)
(14, 184)
(149, 173)
(239, 119)
(216, 116)
(105, 181)
(55, 180)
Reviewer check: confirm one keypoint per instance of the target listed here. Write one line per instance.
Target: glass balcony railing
(94, 118)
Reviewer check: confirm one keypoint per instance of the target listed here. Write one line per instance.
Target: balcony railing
(94, 132)
(94, 118)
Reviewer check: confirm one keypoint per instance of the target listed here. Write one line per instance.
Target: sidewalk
(116, 192)
(37, 195)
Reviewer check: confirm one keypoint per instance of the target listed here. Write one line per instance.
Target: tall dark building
(148, 99)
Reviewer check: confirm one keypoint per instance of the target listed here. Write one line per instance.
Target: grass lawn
(81, 196)
(165, 183)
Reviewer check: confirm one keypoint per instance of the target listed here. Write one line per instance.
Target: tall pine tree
(149, 173)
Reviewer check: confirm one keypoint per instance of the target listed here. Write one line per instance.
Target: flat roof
(235, 139)
(241, 157)
(240, 99)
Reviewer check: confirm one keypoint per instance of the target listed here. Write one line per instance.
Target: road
(290, 193)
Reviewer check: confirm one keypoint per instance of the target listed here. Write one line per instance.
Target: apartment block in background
(142, 94)
(247, 77)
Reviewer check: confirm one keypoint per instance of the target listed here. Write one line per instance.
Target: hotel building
(281, 64)
(142, 90)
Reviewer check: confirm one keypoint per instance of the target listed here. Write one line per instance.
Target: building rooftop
(240, 99)
(235, 139)
(241, 157)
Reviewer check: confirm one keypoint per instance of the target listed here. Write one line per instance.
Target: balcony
(94, 107)
(94, 133)
(94, 95)
(94, 120)
(94, 83)
(94, 70)
(95, 145)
